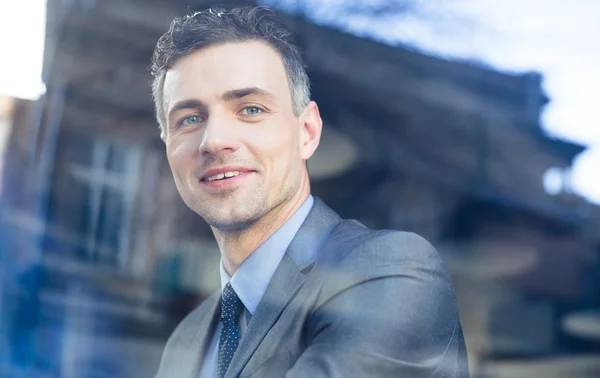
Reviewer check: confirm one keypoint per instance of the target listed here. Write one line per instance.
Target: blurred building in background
(101, 258)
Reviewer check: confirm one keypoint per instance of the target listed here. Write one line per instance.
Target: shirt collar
(251, 279)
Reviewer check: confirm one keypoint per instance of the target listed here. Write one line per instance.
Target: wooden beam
(420, 65)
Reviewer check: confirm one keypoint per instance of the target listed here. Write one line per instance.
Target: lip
(227, 182)
(228, 168)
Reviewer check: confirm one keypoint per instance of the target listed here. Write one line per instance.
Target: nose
(219, 137)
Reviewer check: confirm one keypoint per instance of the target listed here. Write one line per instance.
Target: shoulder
(356, 255)
(352, 243)
(387, 296)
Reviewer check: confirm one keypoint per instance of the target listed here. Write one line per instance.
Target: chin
(230, 224)
(226, 221)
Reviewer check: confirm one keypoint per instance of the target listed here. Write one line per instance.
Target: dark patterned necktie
(231, 309)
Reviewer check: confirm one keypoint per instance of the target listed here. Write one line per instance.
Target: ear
(310, 130)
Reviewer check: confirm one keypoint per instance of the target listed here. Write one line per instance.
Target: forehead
(209, 72)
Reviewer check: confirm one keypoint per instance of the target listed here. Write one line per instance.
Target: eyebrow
(187, 104)
(233, 94)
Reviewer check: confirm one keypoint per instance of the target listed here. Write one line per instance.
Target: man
(304, 293)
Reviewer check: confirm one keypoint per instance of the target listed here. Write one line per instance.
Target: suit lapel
(284, 285)
(206, 331)
(189, 356)
(286, 282)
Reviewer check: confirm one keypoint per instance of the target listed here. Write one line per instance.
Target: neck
(236, 246)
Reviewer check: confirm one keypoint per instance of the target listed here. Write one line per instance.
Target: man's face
(229, 113)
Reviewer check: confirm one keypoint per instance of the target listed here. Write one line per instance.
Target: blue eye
(190, 120)
(252, 110)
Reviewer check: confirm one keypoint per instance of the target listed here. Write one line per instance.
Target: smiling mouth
(222, 176)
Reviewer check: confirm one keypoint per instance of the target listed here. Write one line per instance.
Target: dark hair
(220, 25)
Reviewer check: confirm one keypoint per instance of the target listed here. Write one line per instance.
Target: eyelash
(260, 110)
(182, 121)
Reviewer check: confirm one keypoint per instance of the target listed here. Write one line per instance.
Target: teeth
(223, 175)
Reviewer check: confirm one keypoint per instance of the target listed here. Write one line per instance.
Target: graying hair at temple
(218, 26)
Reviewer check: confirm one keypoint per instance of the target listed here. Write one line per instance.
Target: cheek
(274, 145)
(281, 147)
(286, 158)
(178, 155)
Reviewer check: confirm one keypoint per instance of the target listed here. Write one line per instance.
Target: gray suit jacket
(374, 304)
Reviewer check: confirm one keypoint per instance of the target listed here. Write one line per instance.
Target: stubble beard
(235, 215)
(248, 210)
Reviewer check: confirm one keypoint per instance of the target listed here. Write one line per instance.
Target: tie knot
(231, 306)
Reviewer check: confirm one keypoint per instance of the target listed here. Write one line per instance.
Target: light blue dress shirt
(251, 279)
